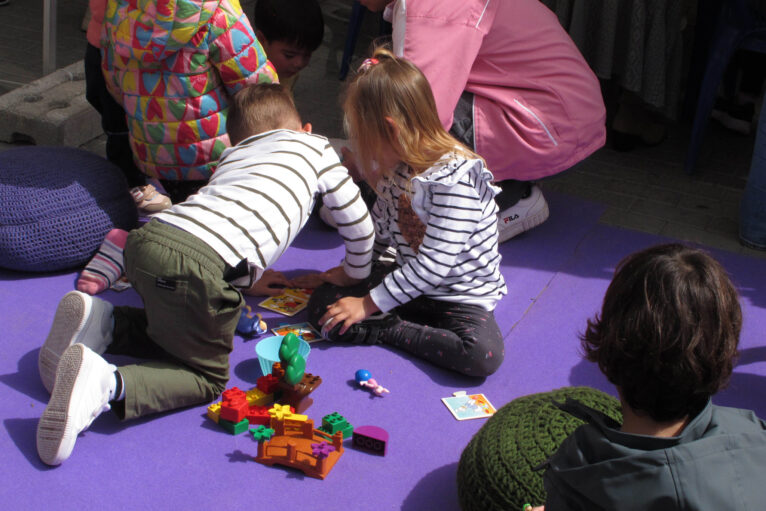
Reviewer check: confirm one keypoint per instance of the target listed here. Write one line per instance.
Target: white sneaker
(326, 216)
(84, 384)
(80, 318)
(522, 216)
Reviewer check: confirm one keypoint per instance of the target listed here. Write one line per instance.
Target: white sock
(117, 385)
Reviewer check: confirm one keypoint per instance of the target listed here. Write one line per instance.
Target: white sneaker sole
(64, 332)
(53, 425)
(530, 222)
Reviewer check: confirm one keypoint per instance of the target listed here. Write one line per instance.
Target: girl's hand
(347, 310)
(309, 281)
(338, 277)
(271, 283)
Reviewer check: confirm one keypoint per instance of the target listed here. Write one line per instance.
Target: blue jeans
(752, 215)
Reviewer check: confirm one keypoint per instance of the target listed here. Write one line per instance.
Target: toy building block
(371, 439)
(335, 422)
(262, 433)
(297, 395)
(214, 411)
(234, 405)
(250, 324)
(255, 406)
(285, 412)
(257, 397)
(298, 445)
(277, 371)
(268, 383)
(258, 415)
(321, 449)
(235, 428)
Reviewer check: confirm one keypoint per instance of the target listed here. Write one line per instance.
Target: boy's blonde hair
(259, 108)
(390, 87)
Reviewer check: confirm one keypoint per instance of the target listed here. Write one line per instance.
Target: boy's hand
(338, 276)
(271, 283)
(347, 310)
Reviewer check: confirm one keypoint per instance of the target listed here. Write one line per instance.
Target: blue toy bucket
(268, 352)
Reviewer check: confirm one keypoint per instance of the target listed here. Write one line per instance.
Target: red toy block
(258, 415)
(268, 383)
(234, 406)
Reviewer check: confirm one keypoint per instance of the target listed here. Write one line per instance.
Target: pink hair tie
(367, 64)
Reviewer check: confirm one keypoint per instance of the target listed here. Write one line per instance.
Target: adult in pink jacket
(510, 83)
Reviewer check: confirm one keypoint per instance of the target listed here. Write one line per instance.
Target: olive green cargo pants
(186, 328)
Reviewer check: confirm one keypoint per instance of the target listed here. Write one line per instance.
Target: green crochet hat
(495, 470)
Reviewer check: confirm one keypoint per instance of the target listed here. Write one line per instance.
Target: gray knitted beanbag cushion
(496, 468)
(56, 206)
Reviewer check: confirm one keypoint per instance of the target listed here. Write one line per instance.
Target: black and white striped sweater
(443, 225)
(262, 194)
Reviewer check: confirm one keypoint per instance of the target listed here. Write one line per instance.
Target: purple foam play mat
(556, 275)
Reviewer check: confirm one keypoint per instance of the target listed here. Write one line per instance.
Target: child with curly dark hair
(667, 338)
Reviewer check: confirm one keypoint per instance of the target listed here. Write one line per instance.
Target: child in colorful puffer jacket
(173, 65)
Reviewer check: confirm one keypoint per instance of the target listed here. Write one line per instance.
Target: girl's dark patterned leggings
(456, 336)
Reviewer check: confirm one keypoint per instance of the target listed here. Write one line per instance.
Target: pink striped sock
(106, 266)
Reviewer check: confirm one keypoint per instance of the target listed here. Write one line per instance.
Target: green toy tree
(292, 362)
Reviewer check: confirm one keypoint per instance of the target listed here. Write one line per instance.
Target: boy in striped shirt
(190, 265)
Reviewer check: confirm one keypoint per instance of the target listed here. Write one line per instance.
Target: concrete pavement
(645, 189)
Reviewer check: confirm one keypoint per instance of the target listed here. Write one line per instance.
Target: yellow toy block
(256, 397)
(214, 411)
(282, 412)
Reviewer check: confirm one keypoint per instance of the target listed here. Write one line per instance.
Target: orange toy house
(298, 445)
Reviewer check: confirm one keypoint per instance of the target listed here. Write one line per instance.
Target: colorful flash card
(303, 330)
(469, 406)
(287, 304)
(300, 292)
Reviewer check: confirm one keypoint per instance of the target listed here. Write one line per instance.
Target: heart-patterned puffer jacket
(173, 65)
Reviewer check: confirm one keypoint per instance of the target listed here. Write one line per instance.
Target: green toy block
(235, 428)
(335, 422)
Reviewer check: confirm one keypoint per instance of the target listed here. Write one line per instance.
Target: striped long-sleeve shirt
(262, 194)
(443, 225)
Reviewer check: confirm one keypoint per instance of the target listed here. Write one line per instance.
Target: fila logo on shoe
(510, 218)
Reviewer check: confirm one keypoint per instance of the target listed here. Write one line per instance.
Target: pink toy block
(371, 439)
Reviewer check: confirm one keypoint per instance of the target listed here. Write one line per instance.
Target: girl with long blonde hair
(435, 209)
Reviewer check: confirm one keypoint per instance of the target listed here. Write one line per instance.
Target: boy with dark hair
(289, 32)
(190, 264)
(667, 338)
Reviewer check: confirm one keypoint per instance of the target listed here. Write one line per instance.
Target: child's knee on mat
(486, 365)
